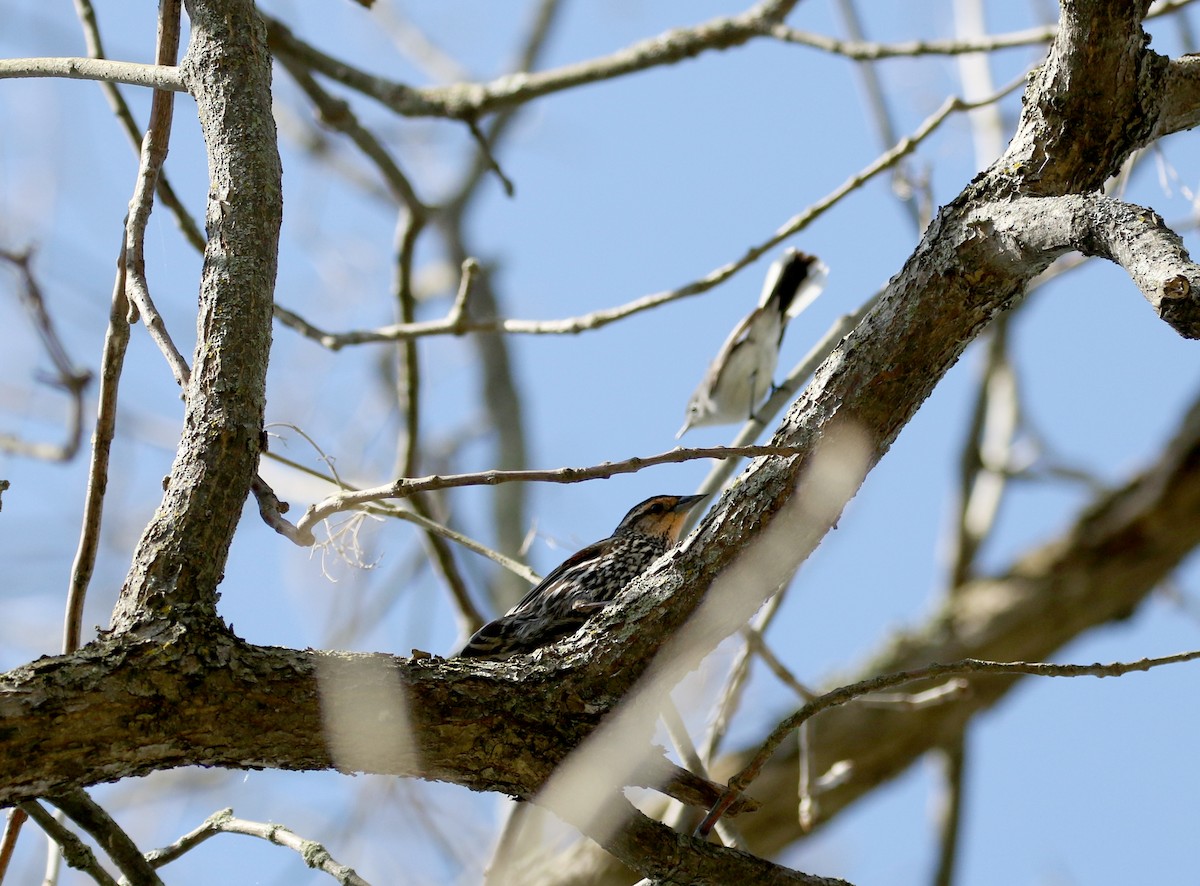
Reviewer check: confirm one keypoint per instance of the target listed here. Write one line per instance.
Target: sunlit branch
(153, 155)
(155, 76)
(862, 50)
(77, 853)
(315, 855)
(116, 340)
(513, 566)
(853, 691)
(117, 844)
(95, 47)
(468, 101)
(405, 487)
(597, 319)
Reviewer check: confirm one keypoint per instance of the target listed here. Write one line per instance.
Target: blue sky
(623, 189)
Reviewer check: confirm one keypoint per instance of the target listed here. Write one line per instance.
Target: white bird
(744, 369)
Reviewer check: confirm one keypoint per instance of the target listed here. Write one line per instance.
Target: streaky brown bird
(585, 582)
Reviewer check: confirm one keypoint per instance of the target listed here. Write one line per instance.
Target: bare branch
(190, 840)
(181, 555)
(74, 850)
(155, 76)
(116, 340)
(13, 822)
(314, 854)
(272, 510)
(598, 319)
(471, 101)
(90, 816)
(404, 487)
(1132, 236)
(154, 153)
(849, 693)
(95, 46)
(69, 379)
(862, 50)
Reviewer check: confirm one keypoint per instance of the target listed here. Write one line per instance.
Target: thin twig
(758, 644)
(471, 101)
(405, 487)
(469, 617)
(70, 379)
(13, 821)
(288, 530)
(73, 849)
(154, 153)
(190, 840)
(862, 50)
(95, 47)
(116, 340)
(314, 854)
(90, 816)
(598, 319)
(485, 151)
(166, 77)
(848, 693)
(950, 817)
(532, 47)
(408, 389)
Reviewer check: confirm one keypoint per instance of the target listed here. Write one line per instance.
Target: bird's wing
(739, 334)
(555, 577)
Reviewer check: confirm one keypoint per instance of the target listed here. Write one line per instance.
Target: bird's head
(662, 516)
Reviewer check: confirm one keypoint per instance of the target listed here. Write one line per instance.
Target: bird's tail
(793, 282)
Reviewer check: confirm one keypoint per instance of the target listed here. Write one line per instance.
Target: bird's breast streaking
(586, 581)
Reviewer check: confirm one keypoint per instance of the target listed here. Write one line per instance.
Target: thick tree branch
(1180, 108)
(676, 859)
(199, 696)
(181, 555)
(1032, 229)
(1098, 570)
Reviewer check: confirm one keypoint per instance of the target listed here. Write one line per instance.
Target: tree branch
(181, 555)
(470, 101)
(155, 76)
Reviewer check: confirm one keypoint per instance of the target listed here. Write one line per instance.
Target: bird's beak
(687, 423)
(679, 514)
(687, 502)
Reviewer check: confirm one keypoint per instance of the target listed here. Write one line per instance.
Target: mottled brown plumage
(585, 582)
